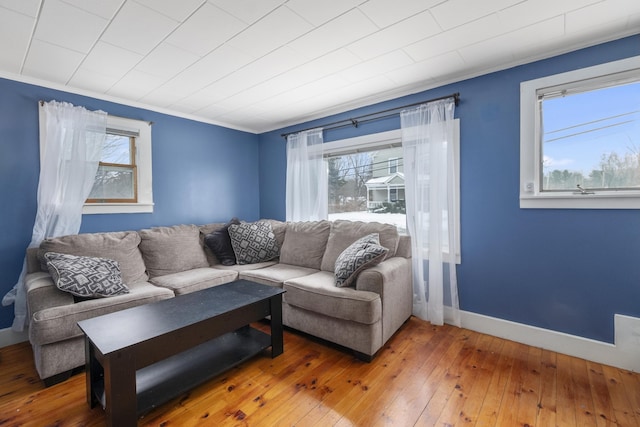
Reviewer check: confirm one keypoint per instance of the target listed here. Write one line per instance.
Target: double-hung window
(580, 138)
(123, 182)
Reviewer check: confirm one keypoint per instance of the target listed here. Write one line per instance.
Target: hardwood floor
(425, 376)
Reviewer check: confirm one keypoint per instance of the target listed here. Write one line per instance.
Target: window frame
(390, 139)
(132, 166)
(143, 179)
(531, 194)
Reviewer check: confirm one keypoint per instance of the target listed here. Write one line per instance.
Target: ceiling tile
(206, 30)
(529, 12)
(374, 67)
(69, 27)
(335, 34)
(135, 85)
(473, 32)
(111, 60)
(138, 28)
(599, 15)
(249, 11)
(278, 28)
(317, 12)
(428, 70)
(166, 61)
(50, 62)
(397, 36)
(178, 10)
(15, 31)
(92, 80)
(383, 15)
(453, 13)
(25, 7)
(103, 8)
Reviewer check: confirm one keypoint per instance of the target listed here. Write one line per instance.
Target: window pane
(113, 182)
(362, 188)
(592, 139)
(117, 149)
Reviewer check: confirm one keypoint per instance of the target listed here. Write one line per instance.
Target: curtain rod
(356, 121)
(150, 123)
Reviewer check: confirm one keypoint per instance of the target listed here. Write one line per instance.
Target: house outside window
(580, 138)
(393, 165)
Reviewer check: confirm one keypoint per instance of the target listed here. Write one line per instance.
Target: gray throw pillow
(363, 253)
(87, 277)
(253, 242)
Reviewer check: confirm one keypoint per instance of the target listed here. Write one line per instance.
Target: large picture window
(580, 141)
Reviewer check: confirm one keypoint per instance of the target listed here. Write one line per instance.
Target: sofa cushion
(276, 274)
(246, 267)
(318, 293)
(304, 243)
(344, 233)
(119, 246)
(168, 250)
(87, 277)
(253, 242)
(363, 253)
(220, 243)
(59, 323)
(195, 279)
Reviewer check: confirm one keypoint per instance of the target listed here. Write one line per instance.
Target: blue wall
(564, 270)
(201, 173)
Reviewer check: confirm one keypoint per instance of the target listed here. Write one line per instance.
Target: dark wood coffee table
(141, 357)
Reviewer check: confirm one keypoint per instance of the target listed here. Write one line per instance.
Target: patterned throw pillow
(363, 253)
(86, 277)
(253, 242)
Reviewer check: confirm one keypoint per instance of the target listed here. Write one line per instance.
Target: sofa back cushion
(343, 233)
(121, 246)
(168, 250)
(304, 243)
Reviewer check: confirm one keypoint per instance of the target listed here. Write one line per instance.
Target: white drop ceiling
(259, 65)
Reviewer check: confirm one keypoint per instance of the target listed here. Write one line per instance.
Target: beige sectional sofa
(165, 262)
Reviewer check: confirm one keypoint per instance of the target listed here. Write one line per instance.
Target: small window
(123, 182)
(580, 140)
(393, 194)
(393, 165)
(116, 179)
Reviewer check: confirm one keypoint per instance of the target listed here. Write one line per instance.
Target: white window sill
(115, 208)
(613, 200)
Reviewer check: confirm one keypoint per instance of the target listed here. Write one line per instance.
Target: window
(383, 196)
(580, 138)
(116, 179)
(361, 185)
(393, 165)
(123, 181)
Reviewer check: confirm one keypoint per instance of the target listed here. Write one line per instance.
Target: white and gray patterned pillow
(253, 242)
(86, 277)
(363, 253)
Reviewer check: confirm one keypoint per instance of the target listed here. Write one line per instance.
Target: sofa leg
(62, 376)
(364, 357)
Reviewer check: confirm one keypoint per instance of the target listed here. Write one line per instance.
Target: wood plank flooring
(425, 376)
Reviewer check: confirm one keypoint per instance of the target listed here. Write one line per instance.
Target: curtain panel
(427, 141)
(306, 187)
(71, 140)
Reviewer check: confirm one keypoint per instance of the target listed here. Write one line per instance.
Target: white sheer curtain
(427, 141)
(306, 193)
(71, 139)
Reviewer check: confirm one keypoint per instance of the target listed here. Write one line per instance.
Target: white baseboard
(9, 337)
(624, 353)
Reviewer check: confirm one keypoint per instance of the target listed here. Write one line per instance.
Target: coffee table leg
(120, 390)
(277, 341)
(93, 371)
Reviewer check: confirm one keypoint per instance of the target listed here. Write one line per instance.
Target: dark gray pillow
(363, 253)
(253, 242)
(220, 243)
(86, 277)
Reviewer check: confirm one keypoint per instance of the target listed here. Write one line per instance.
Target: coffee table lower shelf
(158, 383)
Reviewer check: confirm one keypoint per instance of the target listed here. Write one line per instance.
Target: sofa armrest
(42, 293)
(393, 281)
